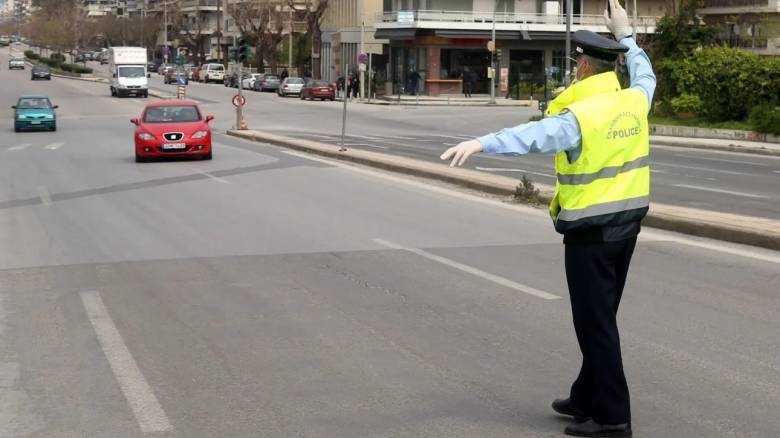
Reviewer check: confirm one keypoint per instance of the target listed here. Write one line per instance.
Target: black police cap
(597, 46)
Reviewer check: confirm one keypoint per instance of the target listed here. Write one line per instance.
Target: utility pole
(567, 74)
(361, 67)
(165, 25)
(635, 20)
(492, 62)
(289, 49)
(219, 33)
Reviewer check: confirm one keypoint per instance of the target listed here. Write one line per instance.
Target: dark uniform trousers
(596, 274)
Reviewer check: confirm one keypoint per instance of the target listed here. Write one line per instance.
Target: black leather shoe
(592, 429)
(565, 407)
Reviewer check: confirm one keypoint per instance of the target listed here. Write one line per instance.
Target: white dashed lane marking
(139, 395)
(727, 192)
(19, 147)
(54, 146)
(471, 270)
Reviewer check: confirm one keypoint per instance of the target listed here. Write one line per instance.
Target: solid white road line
(657, 171)
(215, 178)
(145, 406)
(456, 137)
(500, 169)
(648, 235)
(397, 137)
(705, 169)
(727, 192)
(19, 147)
(54, 146)
(471, 270)
(722, 160)
(776, 171)
(45, 196)
(367, 145)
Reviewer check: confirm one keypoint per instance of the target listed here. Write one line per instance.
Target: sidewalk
(753, 147)
(704, 223)
(448, 100)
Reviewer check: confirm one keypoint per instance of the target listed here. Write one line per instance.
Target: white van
(212, 73)
(127, 66)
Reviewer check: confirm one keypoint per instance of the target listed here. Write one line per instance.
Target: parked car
(248, 82)
(34, 112)
(212, 73)
(88, 56)
(80, 58)
(269, 82)
(190, 69)
(230, 79)
(173, 128)
(290, 86)
(15, 63)
(40, 72)
(163, 69)
(318, 89)
(172, 76)
(153, 65)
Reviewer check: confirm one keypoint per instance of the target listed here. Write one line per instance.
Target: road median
(704, 223)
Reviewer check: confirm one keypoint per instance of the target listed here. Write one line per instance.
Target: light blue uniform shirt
(562, 132)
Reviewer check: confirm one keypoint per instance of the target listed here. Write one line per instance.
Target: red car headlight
(145, 136)
(200, 134)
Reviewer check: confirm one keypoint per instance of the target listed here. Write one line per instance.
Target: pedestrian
(600, 135)
(284, 75)
(468, 81)
(414, 81)
(340, 85)
(355, 85)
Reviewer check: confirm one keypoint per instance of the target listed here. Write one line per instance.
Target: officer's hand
(617, 22)
(461, 152)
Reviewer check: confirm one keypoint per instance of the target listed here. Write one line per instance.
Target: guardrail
(501, 17)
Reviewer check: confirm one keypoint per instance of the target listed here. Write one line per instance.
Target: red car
(174, 128)
(315, 89)
(196, 75)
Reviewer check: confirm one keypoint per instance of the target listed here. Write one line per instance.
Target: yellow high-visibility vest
(609, 183)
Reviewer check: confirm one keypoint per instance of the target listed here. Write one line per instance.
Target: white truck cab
(127, 66)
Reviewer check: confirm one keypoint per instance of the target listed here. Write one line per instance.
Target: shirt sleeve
(639, 69)
(553, 134)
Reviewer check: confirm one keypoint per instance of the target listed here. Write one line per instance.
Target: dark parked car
(269, 82)
(40, 72)
(152, 66)
(316, 89)
(172, 76)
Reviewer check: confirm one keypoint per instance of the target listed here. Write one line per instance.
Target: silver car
(290, 86)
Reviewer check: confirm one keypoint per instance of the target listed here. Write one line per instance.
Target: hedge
(728, 82)
(75, 68)
(766, 118)
(30, 54)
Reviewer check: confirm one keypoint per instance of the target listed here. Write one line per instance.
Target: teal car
(34, 112)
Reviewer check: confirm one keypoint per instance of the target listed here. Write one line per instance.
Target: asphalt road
(710, 180)
(270, 294)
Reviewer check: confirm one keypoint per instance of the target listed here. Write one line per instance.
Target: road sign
(239, 100)
(504, 76)
(181, 81)
(362, 58)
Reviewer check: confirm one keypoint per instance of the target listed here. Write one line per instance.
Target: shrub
(687, 103)
(765, 118)
(59, 57)
(729, 82)
(30, 54)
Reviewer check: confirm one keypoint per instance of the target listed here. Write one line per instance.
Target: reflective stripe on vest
(609, 183)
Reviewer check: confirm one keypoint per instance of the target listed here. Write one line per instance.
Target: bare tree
(262, 24)
(189, 27)
(313, 14)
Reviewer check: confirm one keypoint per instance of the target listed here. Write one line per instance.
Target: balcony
(734, 3)
(477, 21)
(203, 5)
(744, 42)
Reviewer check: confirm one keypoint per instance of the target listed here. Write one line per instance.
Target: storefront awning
(395, 34)
(478, 34)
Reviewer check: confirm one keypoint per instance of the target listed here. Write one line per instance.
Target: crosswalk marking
(19, 147)
(54, 146)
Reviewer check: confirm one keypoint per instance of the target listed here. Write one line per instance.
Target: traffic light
(232, 53)
(243, 51)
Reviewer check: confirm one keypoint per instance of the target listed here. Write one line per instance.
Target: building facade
(749, 24)
(440, 39)
(348, 24)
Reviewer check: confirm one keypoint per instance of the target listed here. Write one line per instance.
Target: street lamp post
(567, 73)
(289, 49)
(492, 61)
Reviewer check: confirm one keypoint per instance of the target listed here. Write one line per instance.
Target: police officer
(599, 134)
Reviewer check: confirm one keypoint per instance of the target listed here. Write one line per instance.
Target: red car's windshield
(169, 114)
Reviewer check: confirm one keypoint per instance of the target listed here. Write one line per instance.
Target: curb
(731, 147)
(745, 230)
(152, 93)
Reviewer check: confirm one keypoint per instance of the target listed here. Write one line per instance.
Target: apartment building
(749, 24)
(348, 24)
(439, 39)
